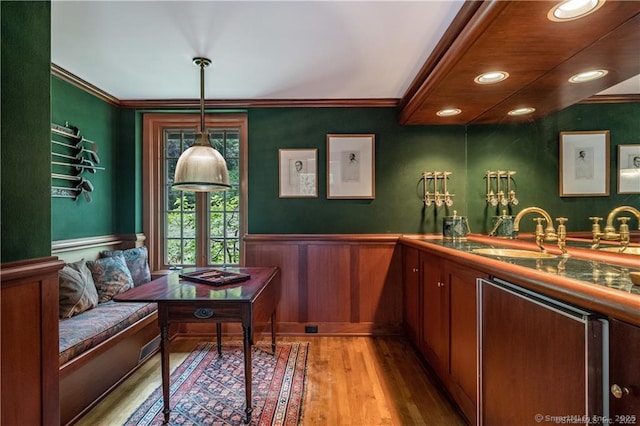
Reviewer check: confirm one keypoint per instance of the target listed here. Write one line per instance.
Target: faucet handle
(595, 230)
(562, 234)
(624, 232)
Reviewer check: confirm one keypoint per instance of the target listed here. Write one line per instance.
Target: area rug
(208, 389)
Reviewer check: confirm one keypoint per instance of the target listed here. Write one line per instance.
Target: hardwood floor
(358, 381)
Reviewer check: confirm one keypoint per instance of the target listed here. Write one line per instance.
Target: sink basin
(506, 252)
(628, 250)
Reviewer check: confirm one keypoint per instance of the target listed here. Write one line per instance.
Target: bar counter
(594, 280)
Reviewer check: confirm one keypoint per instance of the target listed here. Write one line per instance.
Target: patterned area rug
(208, 389)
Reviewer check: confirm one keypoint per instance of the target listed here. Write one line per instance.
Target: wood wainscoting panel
(379, 284)
(287, 258)
(329, 282)
(29, 342)
(344, 284)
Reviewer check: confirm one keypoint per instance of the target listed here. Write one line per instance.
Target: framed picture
(628, 169)
(584, 164)
(298, 173)
(351, 166)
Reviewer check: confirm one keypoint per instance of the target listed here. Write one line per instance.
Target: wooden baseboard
(296, 329)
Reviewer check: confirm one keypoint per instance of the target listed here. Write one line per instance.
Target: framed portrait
(298, 173)
(628, 169)
(351, 166)
(584, 164)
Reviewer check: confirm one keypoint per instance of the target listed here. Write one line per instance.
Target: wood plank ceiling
(540, 55)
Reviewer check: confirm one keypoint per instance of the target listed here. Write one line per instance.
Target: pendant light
(201, 168)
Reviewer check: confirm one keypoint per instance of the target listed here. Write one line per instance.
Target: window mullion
(202, 229)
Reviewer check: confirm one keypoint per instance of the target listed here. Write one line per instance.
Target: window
(193, 228)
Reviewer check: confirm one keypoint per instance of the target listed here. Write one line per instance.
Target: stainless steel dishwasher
(540, 360)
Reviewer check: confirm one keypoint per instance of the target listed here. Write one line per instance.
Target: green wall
(402, 154)
(25, 134)
(98, 121)
(532, 149)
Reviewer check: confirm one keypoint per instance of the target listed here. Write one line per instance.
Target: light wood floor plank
(351, 381)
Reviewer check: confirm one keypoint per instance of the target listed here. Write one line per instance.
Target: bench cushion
(82, 332)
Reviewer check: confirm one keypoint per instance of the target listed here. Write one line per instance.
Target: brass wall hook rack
(496, 192)
(435, 189)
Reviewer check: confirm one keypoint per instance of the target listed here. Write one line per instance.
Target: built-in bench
(102, 346)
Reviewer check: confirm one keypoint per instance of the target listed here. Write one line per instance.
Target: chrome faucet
(610, 233)
(543, 234)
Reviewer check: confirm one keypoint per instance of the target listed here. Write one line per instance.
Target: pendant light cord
(202, 65)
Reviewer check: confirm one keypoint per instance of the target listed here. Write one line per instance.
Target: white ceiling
(322, 49)
(259, 49)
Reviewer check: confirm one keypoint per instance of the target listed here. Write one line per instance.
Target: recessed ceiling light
(521, 111)
(491, 77)
(583, 77)
(569, 10)
(448, 112)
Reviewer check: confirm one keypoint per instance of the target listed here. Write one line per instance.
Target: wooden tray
(214, 277)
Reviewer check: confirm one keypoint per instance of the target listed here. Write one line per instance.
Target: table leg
(273, 332)
(164, 351)
(247, 371)
(219, 337)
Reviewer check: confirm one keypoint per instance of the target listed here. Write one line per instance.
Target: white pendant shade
(201, 168)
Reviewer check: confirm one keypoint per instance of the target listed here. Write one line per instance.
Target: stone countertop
(597, 282)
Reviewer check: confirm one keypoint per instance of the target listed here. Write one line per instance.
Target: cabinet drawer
(196, 313)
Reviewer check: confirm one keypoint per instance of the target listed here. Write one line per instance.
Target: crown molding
(258, 103)
(611, 99)
(65, 75)
(73, 79)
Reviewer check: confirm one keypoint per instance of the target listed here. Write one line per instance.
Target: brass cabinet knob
(440, 284)
(618, 391)
(415, 269)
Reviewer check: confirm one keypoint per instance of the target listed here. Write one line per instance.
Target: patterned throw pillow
(77, 292)
(137, 261)
(111, 276)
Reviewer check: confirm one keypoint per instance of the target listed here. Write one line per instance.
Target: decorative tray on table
(214, 277)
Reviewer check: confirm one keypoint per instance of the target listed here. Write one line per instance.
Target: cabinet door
(435, 313)
(624, 373)
(533, 360)
(410, 288)
(463, 368)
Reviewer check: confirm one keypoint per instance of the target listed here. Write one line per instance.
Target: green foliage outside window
(224, 207)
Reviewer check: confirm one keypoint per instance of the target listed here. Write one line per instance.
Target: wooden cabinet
(515, 353)
(463, 338)
(434, 306)
(537, 359)
(624, 373)
(446, 332)
(410, 292)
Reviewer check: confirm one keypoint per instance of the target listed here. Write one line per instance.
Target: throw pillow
(137, 261)
(111, 276)
(77, 292)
